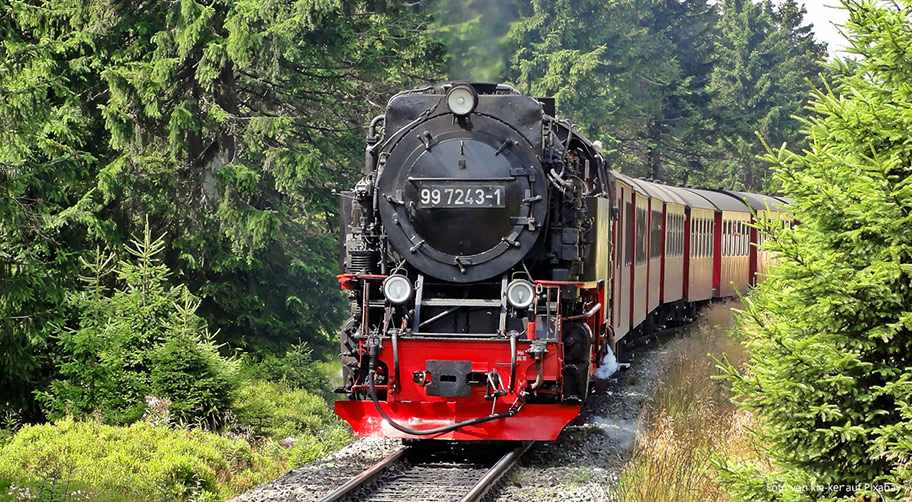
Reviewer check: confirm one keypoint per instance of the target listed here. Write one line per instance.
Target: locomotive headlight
(462, 99)
(520, 293)
(397, 289)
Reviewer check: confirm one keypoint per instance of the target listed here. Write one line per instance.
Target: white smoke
(609, 366)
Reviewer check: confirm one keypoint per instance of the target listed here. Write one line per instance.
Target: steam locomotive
(493, 263)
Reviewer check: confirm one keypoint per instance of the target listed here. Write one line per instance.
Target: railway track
(432, 472)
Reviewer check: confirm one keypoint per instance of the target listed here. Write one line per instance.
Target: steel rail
(365, 477)
(495, 472)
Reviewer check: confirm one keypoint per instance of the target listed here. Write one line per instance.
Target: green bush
(315, 446)
(198, 381)
(137, 463)
(830, 331)
(296, 368)
(277, 411)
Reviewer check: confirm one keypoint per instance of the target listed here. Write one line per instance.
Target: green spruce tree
(474, 33)
(830, 330)
(49, 141)
(631, 74)
(674, 138)
(188, 370)
(84, 376)
(137, 339)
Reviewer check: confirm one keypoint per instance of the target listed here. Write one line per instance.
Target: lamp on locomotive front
(397, 289)
(520, 293)
(462, 99)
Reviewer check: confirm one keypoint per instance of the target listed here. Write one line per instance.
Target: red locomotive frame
(408, 404)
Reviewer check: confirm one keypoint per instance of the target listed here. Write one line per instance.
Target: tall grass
(690, 420)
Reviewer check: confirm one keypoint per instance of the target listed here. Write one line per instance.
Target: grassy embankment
(151, 461)
(691, 419)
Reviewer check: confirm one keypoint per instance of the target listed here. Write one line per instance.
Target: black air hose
(437, 430)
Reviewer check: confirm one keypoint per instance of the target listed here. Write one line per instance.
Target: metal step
(430, 334)
(459, 302)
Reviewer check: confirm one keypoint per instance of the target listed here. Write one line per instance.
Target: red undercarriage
(534, 422)
(409, 404)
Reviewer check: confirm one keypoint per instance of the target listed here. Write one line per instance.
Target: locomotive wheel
(577, 354)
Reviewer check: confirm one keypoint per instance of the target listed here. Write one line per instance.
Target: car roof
(690, 198)
(668, 195)
(630, 181)
(722, 201)
(648, 188)
(756, 201)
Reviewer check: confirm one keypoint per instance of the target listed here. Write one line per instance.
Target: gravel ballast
(315, 480)
(586, 460)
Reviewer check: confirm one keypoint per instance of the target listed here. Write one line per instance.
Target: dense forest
(168, 223)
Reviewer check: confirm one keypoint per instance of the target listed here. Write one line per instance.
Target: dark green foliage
(50, 139)
(762, 60)
(475, 32)
(598, 60)
(830, 331)
(228, 123)
(674, 89)
(631, 74)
